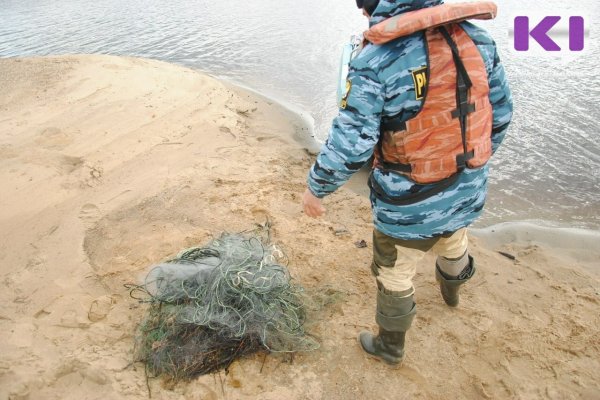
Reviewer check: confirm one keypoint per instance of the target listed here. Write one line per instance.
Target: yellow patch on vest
(344, 101)
(420, 79)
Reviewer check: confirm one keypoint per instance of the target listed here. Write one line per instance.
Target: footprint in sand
(261, 216)
(100, 308)
(7, 152)
(90, 214)
(78, 371)
(68, 164)
(53, 138)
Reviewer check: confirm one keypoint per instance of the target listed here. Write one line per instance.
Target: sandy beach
(110, 164)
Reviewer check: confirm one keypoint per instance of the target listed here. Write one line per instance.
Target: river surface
(548, 168)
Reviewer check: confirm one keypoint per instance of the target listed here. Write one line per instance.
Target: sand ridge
(111, 164)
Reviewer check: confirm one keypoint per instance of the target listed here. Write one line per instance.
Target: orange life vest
(453, 129)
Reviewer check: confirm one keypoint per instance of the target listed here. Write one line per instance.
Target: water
(548, 167)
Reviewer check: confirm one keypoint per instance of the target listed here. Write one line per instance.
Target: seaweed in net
(213, 304)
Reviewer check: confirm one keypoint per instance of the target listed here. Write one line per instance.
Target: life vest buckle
(463, 158)
(463, 110)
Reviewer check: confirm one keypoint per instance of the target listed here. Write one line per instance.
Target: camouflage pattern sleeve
(502, 103)
(353, 134)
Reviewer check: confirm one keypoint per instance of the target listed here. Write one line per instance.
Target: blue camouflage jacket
(382, 87)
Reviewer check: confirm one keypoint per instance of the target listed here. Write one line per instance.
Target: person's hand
(312, 205)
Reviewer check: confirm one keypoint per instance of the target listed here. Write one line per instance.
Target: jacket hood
(390, 8)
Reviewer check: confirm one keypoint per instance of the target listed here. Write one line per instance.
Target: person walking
(428, 99)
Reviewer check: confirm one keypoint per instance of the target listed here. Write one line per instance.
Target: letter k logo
(539, 33)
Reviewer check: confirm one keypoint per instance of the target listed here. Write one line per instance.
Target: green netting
(213, 304)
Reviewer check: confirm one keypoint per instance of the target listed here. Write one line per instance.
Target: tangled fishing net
(211, 305)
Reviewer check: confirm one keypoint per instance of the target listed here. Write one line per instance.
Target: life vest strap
(463, 158)
(394, 124)
(463, 110)
(463, 85)
(396, 167)
(460, 66)
(445, 117)
(410, 198)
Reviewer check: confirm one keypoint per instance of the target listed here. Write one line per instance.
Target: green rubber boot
(394, 317)
(450, 285)
(387, 345)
